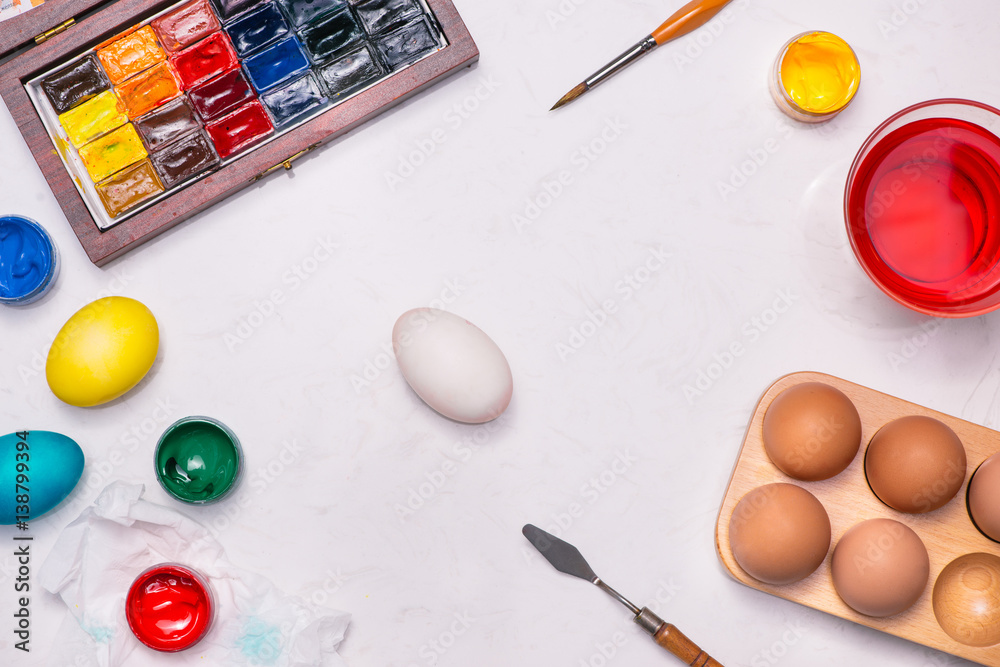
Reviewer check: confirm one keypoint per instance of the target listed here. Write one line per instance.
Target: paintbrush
(567, 559)
(688, 18)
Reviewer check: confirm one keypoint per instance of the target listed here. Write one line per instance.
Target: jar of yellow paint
(815, 76)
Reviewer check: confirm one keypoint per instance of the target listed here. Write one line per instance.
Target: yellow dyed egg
(101, 352)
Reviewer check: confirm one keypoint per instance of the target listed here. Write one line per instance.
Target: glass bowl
(922, 204)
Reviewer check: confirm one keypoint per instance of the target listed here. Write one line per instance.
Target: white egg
(452, 365)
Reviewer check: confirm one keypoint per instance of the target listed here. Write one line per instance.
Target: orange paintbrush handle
(688, 18)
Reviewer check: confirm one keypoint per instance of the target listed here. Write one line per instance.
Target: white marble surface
(335, 250)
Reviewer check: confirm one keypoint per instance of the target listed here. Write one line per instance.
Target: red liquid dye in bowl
(169, 608)
(922, 210)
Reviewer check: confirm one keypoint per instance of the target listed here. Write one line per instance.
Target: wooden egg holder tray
(947, 532)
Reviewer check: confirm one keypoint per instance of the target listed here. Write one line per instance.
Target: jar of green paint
(198, 460)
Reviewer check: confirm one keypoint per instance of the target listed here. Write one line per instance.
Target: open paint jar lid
(815, 76)
(198, 460)
(29, 261)
(170, 607)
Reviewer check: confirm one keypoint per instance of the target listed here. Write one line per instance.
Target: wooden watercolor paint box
(53, 36)
(947, 533)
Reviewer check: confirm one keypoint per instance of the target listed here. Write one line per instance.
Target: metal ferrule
(622, 61)
(649, 621)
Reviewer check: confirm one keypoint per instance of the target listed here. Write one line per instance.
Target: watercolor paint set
(142, 113)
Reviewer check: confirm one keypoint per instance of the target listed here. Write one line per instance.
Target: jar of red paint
(170, 607)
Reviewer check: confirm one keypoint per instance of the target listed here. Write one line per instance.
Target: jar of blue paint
(29, 261)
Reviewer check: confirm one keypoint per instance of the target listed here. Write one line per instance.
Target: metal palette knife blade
(563, 556)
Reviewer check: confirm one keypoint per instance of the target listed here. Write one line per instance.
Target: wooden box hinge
(54, 31)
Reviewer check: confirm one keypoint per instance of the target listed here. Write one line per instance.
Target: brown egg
(779, 533)
(984, 497)
(880, 567)
(915, 464)
(812, 431)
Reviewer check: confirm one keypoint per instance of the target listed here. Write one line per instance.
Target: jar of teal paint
(198, 460)
(29, 261)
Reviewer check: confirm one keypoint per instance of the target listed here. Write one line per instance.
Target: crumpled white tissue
(97, 556)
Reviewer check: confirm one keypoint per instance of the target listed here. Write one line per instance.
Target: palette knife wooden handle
(672, 639)
(677, 643)
(688, 18)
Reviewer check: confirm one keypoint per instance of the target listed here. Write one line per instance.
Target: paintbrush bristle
(570, 96)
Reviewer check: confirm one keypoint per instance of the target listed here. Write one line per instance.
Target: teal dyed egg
(38, 469)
